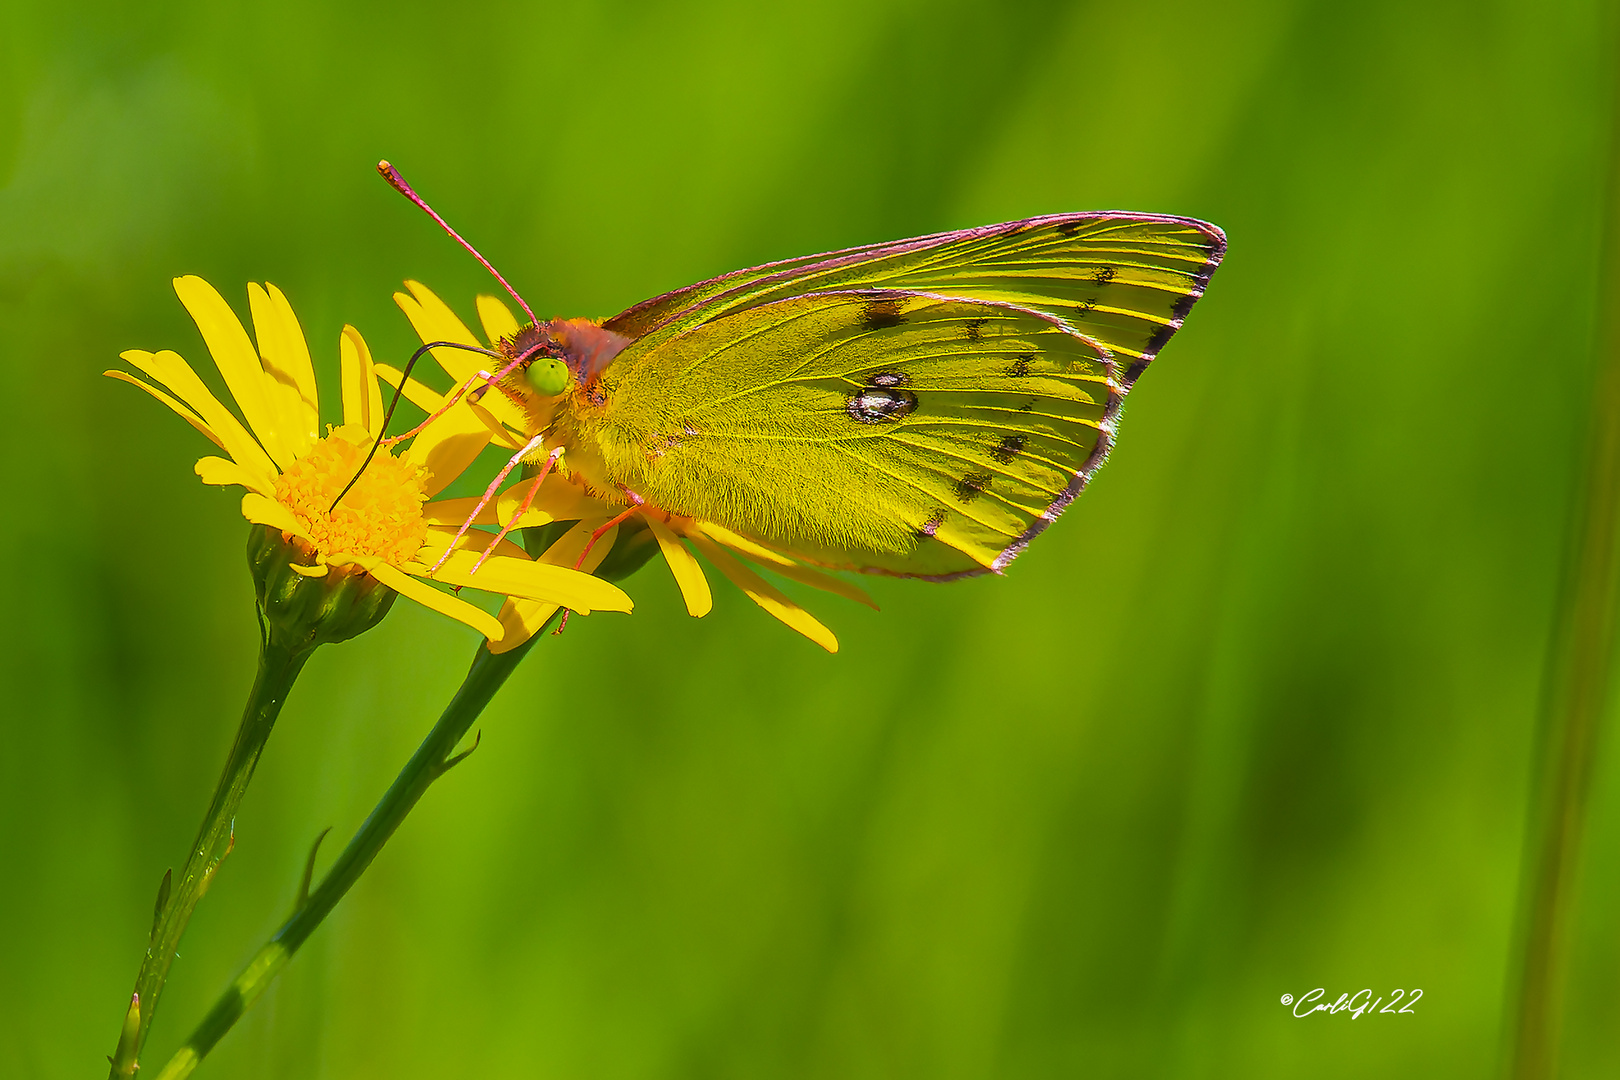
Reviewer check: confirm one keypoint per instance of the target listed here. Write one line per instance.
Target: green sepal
(299, 612)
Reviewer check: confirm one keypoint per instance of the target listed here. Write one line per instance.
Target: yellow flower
(387, 525)
(510, 424)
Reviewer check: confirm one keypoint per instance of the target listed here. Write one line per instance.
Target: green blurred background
(1255, 718)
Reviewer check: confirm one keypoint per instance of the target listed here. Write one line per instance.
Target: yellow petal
(765, 595)
(425, 398)
(237, 361)
(783, 565)
(558, 500)
(525, 618)
(521, 620)
(474, 540)
(442, 602)
(534, 581)
(362, 399)
(434, 321)
(185, 413)
(289, 375)
(310, 571)
(688, 574)
(455, 511)
(498, 320)
(447, 446)
(172, 371)
(224, 473)
(262, 511)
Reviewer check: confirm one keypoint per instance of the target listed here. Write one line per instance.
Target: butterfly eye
(549, 376)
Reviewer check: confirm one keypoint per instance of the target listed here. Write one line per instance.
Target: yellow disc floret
(381, 515)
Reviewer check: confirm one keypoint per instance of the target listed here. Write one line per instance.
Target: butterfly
(920, 408)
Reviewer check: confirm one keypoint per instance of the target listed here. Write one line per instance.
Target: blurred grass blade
(1577, 690)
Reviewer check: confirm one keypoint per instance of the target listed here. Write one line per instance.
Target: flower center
(381, 515)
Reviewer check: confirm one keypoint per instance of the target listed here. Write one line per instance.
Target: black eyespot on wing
(1020, 367)
(1011, 446)
(882, 313)
(970, 487)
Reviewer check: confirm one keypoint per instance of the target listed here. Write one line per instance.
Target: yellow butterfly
(921, 408)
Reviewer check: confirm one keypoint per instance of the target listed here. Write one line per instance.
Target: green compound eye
(548, 377)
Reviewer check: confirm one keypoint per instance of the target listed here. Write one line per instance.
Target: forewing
(1125, 280)
(885, 431)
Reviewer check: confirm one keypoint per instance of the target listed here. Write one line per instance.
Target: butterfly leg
(455, 395)
(489, 493)
(528, 501)
(637, 503)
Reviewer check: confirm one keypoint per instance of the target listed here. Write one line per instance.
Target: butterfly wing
(1125, 280)
(877, 430)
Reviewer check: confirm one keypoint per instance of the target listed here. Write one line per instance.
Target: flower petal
(688, 574)
(224, 473)
(442, 602)
(434, 321)
(534, 581)
(775, 560)
(262, 511)
(447, 446)
(184, 411)
(310, 571)
(172, 371)
(525, 618)
(521, 620)
(362, 399)
(237, 361)
(475, 540)
(289, 375)
(498, 320)
(455, 511)
(765, 595)
(558, 500)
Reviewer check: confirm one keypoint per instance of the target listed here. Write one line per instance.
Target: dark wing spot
(1069, 228)
(969, 487)
(1086, 308)
(975, 328)
(1182, 306)
(931, 526)
(1104, 275)
(1020, 366)
(882, 314)
(1011, 446)
(880, 404)
(888, 378)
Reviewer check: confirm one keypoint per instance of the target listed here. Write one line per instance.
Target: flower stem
(279, 666)
(1577, 695)
(432, 760)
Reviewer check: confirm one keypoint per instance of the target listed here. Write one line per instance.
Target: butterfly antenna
(394, 404)
(397, 182)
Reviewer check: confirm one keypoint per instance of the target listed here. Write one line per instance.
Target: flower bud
(299, 611)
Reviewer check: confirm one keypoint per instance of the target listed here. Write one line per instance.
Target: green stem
(431, 760)
(278, 669)
(1577, 694)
